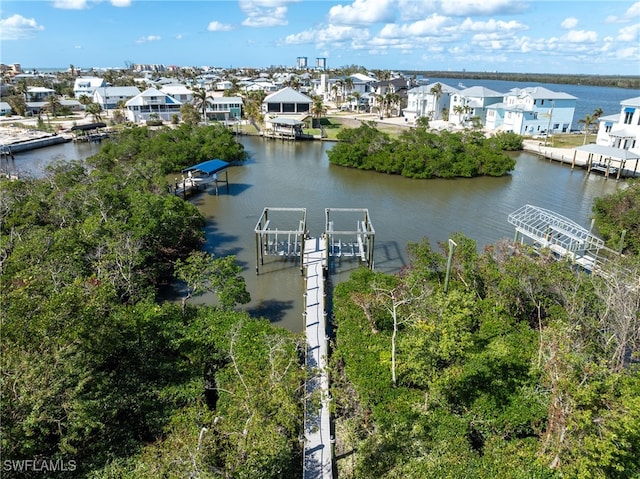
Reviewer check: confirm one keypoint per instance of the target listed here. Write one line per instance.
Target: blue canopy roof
(208, 167)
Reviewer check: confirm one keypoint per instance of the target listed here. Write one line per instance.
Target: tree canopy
(420, 153)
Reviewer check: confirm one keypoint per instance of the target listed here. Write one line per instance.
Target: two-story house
(152, 104)
(110, 96)
(431, 101)
(622, 130)
(474, 104)
(87, 85)
(532, 111)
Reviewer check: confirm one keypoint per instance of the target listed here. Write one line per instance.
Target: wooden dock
(318, 440)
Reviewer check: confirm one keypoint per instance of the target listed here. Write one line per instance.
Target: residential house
(431, 101)
(224, 108)
(178, 91)
(392, 93)
(87, 85)
(474, 102)
(622, 130)
(152, 104)
(39, 94)
(287, 102)
(5, 108)
(110, 96)
(532, 111)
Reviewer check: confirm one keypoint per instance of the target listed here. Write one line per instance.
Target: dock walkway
(318, 457)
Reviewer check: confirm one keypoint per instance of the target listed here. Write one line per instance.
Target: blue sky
(576, 36)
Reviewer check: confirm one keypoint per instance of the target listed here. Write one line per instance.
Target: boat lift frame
(280, 242)
(363, 235)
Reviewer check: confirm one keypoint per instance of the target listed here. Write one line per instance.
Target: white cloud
(631, 53)
(82, 4)
(480, 7)
(17, 27)
(362, 12)
(332, 34)
(569, 23)
(411, 10)
(428, 27)
(70, 4)
(581, 36)
(219, 27)
(630, 33)
(265, 13)
(631, 15)
(492, 26)
(149, 38)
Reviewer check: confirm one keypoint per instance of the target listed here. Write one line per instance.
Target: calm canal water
(298, 175)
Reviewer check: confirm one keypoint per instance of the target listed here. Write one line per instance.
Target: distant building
(321, 63)
(301, 63)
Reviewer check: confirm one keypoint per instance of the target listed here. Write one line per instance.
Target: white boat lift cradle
(563, 237)
(294, 242)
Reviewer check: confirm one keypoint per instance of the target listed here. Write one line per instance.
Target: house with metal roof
(531, 111)
(428, 101)
(473, 102)
(287, 102)
(109, 97)
(39, 93)
(178, 91)
(152, 104)
(224, 108)
(87, 85)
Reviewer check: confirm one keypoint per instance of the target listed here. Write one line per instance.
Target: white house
(428, 101)
(108, 97)
(622, 130)
(287, 102)
(152, 104)
(87, 85)
(474, 102)
(531, 111)
(178, 91)
(39, 93)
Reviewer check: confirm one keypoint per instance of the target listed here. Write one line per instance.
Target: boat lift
(273, 241)
(350, 243)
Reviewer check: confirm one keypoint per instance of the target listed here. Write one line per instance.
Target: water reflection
(298, 175)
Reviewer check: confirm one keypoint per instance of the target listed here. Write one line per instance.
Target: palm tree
(436, 91)
(588, 120)
(357, 96)
(53, 105)
(318, 108)
(458, 110)
(94, 109)
(201, 101)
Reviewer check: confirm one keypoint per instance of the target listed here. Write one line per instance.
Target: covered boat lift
(203, 174)
(610, 160)
(563, 237)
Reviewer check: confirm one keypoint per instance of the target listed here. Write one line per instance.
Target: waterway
(298, 175)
